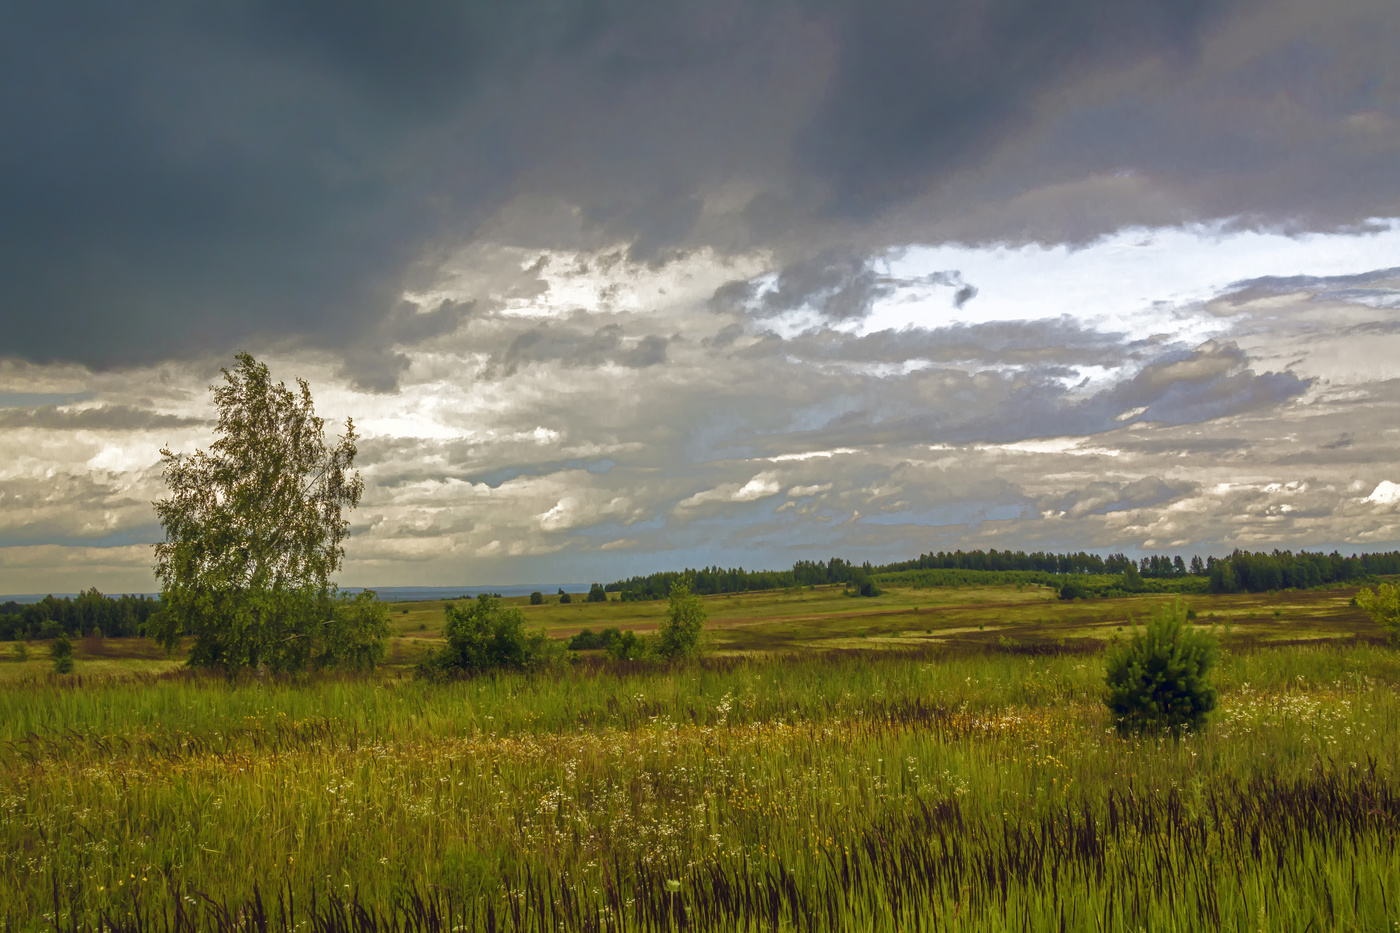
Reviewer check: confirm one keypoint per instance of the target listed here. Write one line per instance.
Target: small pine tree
(62, 654)
(1158, 680)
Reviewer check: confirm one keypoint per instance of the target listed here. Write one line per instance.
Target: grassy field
(926, 759)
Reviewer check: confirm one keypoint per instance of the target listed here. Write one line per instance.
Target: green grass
(801, 777)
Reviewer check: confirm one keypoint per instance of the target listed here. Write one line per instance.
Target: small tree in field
(1158, 680)
(679, 634)
(1383, 603)
(62, 654)
(252, 535)
(484, 635)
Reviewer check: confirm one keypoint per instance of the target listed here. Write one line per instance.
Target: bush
(627, 646)
(536, 598)
(1074, 590)
(679, 634)
(62, 654)
(589, 640)
(1158, 680)
(1383, 603)
(565, 597)
(483, 635)
(596, 593)
(862, 583)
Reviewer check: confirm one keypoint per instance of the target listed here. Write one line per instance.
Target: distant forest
(1084, 574)
(90, 613)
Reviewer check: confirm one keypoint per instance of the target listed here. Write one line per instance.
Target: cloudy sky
(617, 287)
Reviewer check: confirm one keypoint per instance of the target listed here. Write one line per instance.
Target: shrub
(1074, 590)
(21, 651)
(596, 593)
(536, 598)
(565, 597)
(862, 583)
(627, 646)
(1383, 603)
(62, 654)
(1158, 680)
(679, 634)
(483, 635)
(589, 640)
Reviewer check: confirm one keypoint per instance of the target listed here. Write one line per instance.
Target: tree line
(1258, 572)
(1241, 571)
(89, 613)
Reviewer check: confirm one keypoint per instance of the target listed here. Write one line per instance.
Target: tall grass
(837, 792)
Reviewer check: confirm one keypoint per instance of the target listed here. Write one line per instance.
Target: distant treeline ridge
(1241, 571)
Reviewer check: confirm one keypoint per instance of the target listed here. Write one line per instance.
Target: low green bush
(483, 635)
(628, 646)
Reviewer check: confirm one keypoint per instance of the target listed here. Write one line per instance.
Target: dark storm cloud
(181, 179)
(839, 285)
(924, 88)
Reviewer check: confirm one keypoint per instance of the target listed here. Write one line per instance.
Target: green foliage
(62, 654)
(1074, 590)
(355, 632)
(679, 634)
(536, 598)
(564, 598)
(1159, 679)
(620, 645)
(483, 635)
(1383, 603)
(596, 593)
(627, 646)
(862, 584)
(589, 640)
(21, 651)
(252, 535)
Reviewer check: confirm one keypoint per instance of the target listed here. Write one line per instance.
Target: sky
(611, 288)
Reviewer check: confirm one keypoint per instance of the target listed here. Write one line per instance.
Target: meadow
(929, 759)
